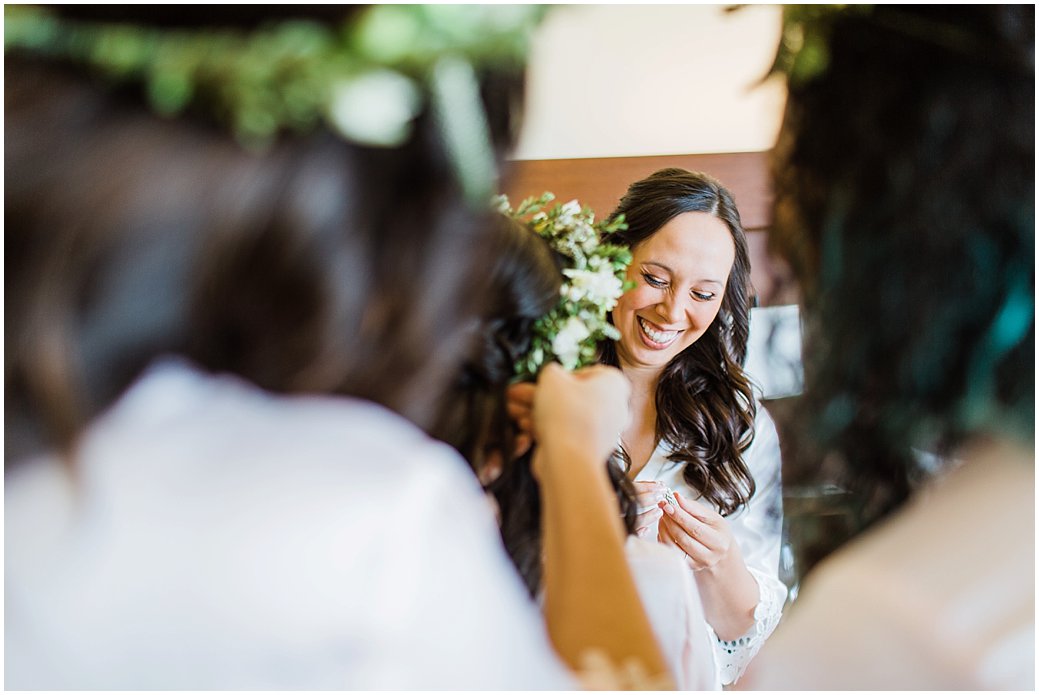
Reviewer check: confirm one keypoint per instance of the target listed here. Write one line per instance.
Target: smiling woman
(696, 427)
(674, 302)
(683, 229)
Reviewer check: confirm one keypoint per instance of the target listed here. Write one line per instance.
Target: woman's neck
(643, 380)
(640, 436)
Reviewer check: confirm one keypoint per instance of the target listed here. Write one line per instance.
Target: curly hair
(905, 189)
(524, 284)
(526, 278)
(705, 405)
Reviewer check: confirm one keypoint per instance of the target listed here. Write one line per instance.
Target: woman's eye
(703, 296)
(653, 281)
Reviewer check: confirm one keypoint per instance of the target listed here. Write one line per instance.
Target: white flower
(568, 213)
(589, 239)
(590, 289)
(583, 235)
(567, 343)
(601, 287)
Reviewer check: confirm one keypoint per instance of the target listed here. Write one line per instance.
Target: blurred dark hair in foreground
(316, 266)
(905, 191)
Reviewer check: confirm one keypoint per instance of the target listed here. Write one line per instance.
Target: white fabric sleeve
(758, 529)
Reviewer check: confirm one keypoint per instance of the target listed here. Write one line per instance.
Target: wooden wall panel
(601, 182)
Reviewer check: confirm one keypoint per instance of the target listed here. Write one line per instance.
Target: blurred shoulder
(180, 426)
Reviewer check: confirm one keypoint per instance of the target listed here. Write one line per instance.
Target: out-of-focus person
(905, 203)
(245, 252)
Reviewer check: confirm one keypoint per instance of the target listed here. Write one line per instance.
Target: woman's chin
(642, 355)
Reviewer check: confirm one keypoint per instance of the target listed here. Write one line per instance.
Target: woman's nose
(672, 309)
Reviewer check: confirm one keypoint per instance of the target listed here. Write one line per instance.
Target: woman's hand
(729, 592)
(519, 404)
(591, 600)
(698, 531)
(586, 409)
(648, 495)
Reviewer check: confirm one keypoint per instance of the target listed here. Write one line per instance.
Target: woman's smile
(655, 337)
(680, 275)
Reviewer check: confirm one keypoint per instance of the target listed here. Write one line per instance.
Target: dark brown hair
(316, 267)
(905, 203)
(526, 282)
(524, 285)
(705, 406)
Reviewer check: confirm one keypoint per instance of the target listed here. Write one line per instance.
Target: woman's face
(680, 274)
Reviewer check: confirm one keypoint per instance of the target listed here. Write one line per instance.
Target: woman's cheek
(638, 298)
(706, 315)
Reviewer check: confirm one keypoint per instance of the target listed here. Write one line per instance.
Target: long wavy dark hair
(905, 204)
(705, 406)
(526, 280)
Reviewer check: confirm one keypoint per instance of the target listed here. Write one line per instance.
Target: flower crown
(593, 282)
(367, 80)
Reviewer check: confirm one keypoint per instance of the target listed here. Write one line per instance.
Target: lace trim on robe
(733, 656)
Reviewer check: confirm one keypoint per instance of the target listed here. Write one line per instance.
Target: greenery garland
(367, 79)
(594, 279)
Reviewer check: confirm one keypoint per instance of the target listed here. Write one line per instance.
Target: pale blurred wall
(633, 80)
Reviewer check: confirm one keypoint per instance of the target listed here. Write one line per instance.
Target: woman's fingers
(664, 537)
(519, 404)
(692, 527)
(670, 533)
(522, 394)
(699, 510)
(705, 538)
(648, 493)
(521, 444)
(645, 521)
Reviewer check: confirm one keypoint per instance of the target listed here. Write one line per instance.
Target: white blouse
(214, 536)
(757, 528)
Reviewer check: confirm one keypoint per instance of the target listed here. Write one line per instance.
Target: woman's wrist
(729, 567)
(731, 596)
(567, 459)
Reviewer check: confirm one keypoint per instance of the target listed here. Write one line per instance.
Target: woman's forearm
(730, 594)
(591, 601)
